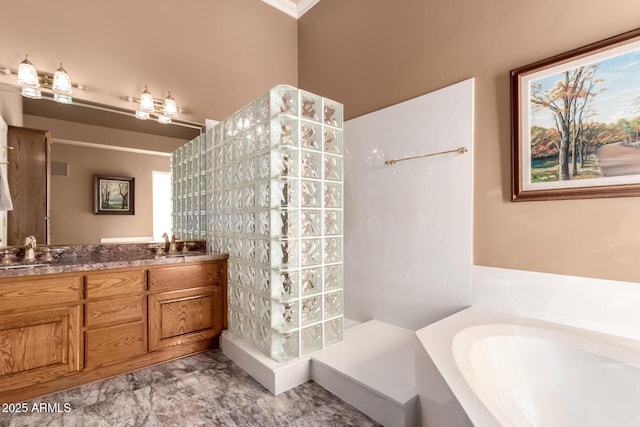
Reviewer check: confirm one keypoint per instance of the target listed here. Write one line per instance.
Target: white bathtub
(507, 370)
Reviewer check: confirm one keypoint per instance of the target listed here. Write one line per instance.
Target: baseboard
(277, 377)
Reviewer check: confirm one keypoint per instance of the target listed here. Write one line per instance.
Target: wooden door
(184, 316)
(39, 346)
(28, 175)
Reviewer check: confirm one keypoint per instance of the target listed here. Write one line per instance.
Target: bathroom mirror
(90, 139)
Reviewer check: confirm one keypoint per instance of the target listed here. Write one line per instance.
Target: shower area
(265, 185)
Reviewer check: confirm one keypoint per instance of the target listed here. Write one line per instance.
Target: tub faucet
(30, 248)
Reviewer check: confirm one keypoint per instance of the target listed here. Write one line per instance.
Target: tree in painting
(569, 102)
(114, 194)
(105, 193)
(123, 190)
(585, 121)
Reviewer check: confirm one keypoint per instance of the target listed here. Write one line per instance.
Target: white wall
(606, 306)
(408, 227)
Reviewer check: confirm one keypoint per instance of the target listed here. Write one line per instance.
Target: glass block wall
(273, 201)
(188, 190)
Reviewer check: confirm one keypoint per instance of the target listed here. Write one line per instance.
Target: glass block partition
(188, 190)
(274, 199)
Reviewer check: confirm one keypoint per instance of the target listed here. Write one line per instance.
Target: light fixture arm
(158, 104)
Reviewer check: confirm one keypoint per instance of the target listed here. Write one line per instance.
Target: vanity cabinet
(62, 330)
(185, 304)
(40, 330)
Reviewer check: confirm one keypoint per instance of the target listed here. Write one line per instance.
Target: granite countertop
(38, 268)
(99, 257)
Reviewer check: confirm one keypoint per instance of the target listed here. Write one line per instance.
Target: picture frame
(575, 123)
(114, 195)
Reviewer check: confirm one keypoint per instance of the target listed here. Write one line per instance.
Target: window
(161, 204)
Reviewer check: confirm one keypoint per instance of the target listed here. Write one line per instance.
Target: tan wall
(213, 55)
(72, 217)
(369, 54)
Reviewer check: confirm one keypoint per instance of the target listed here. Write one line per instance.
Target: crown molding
(292, 8)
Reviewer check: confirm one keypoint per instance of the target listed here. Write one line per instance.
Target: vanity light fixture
(33, 81)
(162, 110)
(61, 82)
(146, 101)
(28, 79)
(27, 74)
(62, 86)
(170, 107)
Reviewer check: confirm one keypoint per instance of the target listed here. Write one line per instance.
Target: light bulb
(27, 74)
(170, 107)
(146, 101)
(61, 82)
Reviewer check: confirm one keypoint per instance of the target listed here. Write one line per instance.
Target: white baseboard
(277, 377)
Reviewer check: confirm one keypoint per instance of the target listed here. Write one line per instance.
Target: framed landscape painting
(575, 123)
(113, 195)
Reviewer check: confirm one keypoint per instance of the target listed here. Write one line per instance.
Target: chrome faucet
(30, 248)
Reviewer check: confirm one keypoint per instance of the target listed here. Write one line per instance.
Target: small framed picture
(575, 123)
(113, 195)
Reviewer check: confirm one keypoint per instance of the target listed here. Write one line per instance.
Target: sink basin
(180, 255)
(15, 266)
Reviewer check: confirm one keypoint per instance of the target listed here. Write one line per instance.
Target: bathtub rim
(438, 341)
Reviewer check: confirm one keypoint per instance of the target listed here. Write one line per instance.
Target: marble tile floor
(206, 389)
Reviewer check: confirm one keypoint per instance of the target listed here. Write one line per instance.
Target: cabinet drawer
(111, 312)
(32, 293)
(185, 277)
(114, 344)
(115, 284)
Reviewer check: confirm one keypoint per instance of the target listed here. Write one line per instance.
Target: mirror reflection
(54, 151)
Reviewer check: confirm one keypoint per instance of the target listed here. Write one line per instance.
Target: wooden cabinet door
(184, 316)
(39, 346)
(28, 175)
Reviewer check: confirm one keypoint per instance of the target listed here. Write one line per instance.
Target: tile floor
(205, 389)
